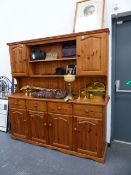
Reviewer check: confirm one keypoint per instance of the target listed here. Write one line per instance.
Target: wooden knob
(45, 124)
(50, 124)
(75, 129)
(89, 130)
(59, 108)
(86, 111)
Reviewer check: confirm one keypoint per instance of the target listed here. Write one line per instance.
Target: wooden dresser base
(98, 159)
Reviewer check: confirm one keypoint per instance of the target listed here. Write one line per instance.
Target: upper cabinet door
(18, 60)
(92, 54)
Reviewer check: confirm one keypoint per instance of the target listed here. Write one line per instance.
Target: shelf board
(53, 76)
(46, 76)
(60, 59)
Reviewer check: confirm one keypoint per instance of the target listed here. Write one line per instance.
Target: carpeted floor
(19, 158)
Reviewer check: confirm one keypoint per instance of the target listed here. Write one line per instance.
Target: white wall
(107, 23)
(28, 19)
(120, 6)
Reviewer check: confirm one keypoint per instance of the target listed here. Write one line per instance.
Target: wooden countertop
(95, 101)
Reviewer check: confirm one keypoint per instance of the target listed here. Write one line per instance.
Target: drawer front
(87, 111)
(17, 103)
(36, 105)
(59, 108)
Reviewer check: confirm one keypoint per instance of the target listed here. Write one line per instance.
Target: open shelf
(60, 59)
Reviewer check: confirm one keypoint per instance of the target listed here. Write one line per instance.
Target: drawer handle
(59, 108)
(75, 129)
(45, 124)
(35, 105)
(24, 120)
(16, 103)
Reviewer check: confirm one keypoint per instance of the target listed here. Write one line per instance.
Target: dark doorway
(121, 79)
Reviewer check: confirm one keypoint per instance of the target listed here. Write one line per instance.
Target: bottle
(33, 55)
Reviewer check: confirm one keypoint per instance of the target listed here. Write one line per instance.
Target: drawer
(59, 108)
(36, 105)
(87, 111)
(17, 103)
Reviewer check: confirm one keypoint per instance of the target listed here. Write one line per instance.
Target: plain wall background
(28, 19)
(21, 20)
(121, 6)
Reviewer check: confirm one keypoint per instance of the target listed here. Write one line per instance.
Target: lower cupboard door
(86, 136)
(39, 132)
(60, 130)
(18, 120)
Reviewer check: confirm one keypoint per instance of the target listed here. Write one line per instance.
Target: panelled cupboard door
(87, 135)
(18, 119)
(60, 130)
(18, 59)
(38, 126)
(91, 54)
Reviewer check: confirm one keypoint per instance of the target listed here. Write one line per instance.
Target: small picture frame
(71, 69)
(89, 15)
